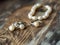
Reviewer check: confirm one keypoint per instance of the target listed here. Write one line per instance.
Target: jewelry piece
(31, 13)
(36, 23)
(47, 12)
(11, 27)
(16, 25)
(36, 19)
(21, 26)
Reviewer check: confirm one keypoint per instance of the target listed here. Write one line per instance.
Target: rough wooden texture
(22, 37)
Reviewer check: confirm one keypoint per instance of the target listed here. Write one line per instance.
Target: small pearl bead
(49, 8)
(11, 27)
(19, 22)
(39, 17)
(38, 4)
(32, 12)
(47, 14)
(33, 8)
(36, 24)
(44, 17)
(22, 26)
(34, 18)
(29, 16)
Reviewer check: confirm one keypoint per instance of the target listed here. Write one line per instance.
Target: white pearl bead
(33, 8)
(47, 14)
(36, 24)
(49, 8)
(19, 22)
(32, 11)
(11, 27)
(39, 17)
(44, 17)
(38, 4)
(22, 26)
(34, 18)
(29, 16)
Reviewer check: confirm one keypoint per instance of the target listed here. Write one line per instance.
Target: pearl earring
(16, 25)
(36, 23)
(11, 27)
(21, 26)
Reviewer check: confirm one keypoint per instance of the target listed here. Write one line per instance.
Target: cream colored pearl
(33, 8)
(34, 18)
(49, 9)
(38, 5)
(19, 22)
(22, 26)
(29, 16)
(32, 11)
(11, 27)
(36, 24)
(39, 17)
(45, 16)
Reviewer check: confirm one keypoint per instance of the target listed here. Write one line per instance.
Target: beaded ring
(33, 17)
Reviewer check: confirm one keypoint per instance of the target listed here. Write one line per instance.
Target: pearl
(34, 18)
(29, 16)
(32, 11)
(38, 4)
(44, 17)
(36, 23)
(19, 22)
(21, 26)
(11, 27)
(49, 9)
(39, 17)
(33, 8)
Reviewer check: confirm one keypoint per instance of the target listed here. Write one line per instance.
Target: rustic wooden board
(21, 37)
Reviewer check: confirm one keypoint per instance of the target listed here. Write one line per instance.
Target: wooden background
(12, 11)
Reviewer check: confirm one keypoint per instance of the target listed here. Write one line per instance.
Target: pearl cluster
(16, 25)
(33, 17)
(37, 19)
